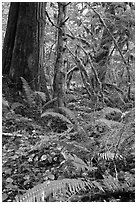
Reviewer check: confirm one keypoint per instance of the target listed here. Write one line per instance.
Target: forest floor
(99, 145)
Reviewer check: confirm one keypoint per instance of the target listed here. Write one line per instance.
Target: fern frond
(110, 110)
(112, 113)
(5, 103)
(56, 115)
(28, 91)
(111, 183)
(41, 94)
(130, 180)
(109, 123)
(109, 156)
(49, 103)
(81, 165)
(70, 186)
(68, 113)
(16, 105)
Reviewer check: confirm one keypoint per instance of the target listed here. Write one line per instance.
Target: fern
(56, 115)
(111, 183)
(108, 123)
(5, 106)
(109, 156)
(68, 113)
(81, 165)
(41, 94)
(67, 186)
(109, 110)
(49, 104)
(5, 103)
(28, 91)
(75, 161)
(16, 105)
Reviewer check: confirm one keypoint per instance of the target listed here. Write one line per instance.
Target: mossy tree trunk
(59, 74)
(22, 54)
(105, 46)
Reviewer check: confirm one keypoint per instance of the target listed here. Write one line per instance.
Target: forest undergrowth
(84, 155)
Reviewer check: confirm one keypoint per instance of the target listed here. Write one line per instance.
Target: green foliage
(6, 108)
(69, 160)
(41, 94)
(62, 114)
(93, 157)
(5, 103)
(109, 156)
(32, 96)
(69, 114)
(16, 105)
(78, 163)
(55, 115)
(111, 183)
(67, 187)
(28, 91)
(109, 110)
(49, 104)
(107, 123)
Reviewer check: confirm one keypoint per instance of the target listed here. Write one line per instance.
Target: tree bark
(59, 74)
(22, 50)
(9, 38)
(105, 44)
(42, 85)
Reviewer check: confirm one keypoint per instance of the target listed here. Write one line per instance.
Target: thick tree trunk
(22, 44)
(9, 38)
(42, 86)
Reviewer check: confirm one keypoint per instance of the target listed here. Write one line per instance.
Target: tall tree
(59, 75)
(105, 45)
(22, 54)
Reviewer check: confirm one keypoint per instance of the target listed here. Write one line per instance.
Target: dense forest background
(68, 98)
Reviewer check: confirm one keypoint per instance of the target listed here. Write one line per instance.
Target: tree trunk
(42, 86)
(22, 50)
(59, 74)
(105, 45)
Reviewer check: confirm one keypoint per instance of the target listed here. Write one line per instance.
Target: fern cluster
(65, 189)
(80, 159)
(33, 97)
(65, 186)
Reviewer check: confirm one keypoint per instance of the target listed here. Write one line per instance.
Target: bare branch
(51, 20)
(83, 72)
(65, 20)
(67, 3)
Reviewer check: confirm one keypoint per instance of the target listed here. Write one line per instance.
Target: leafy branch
(114, 40)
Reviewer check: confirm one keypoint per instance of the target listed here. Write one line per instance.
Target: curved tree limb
(95, 73)
(83, 72)
(51, 20)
